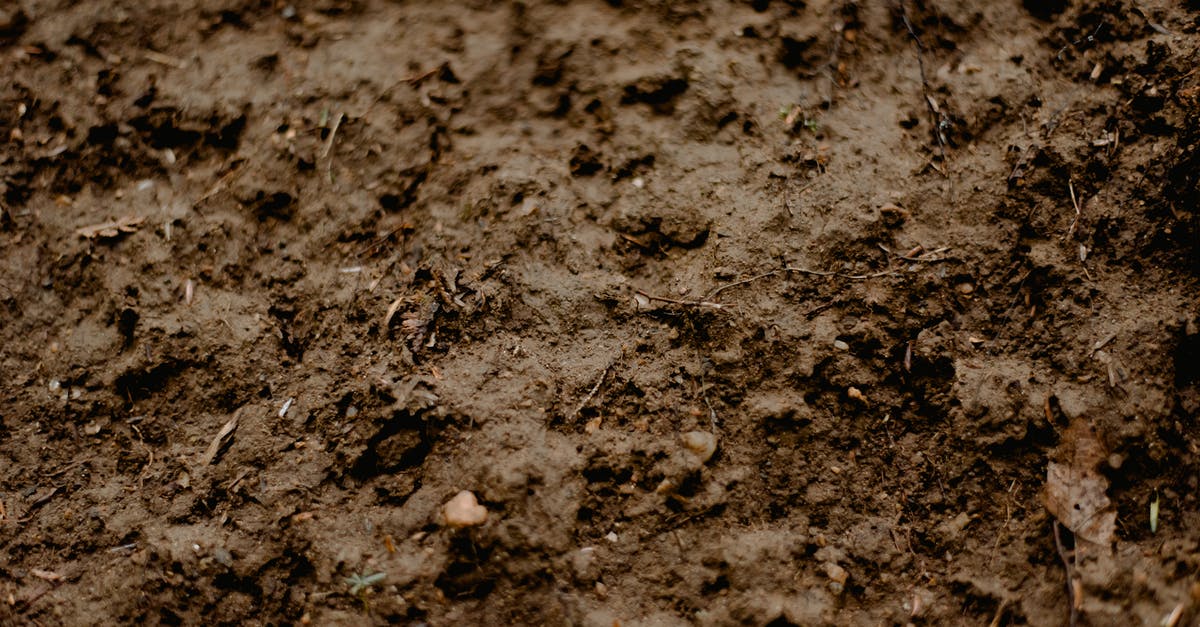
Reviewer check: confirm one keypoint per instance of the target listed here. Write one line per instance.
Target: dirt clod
(464, 510)
(701, 443)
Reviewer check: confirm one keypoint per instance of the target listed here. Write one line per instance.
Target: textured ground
(897, 259)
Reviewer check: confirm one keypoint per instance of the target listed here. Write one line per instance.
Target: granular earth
(890, 257)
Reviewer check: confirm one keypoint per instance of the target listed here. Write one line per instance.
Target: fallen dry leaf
(1075, 489)
(127, 224)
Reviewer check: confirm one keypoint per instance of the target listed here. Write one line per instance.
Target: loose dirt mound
(726, 313)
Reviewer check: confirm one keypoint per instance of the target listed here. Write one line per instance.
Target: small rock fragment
(702, 443)
(837, 577)
(856, 394)
(840, 345)
(965, 288)
(835, 572)
(464, 510)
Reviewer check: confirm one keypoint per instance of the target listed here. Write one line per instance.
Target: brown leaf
(1075, 489)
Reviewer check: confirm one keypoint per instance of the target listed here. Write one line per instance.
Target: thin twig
(840, 275)
(713, 294)
(925, 257)
(1078, 212)
(831, 66)
(337, 122)
(1062, 554)
(712, 413)
(592, 392)
(787, 195)
(222, 183)
(685, 303)
(411, 80)
(999, 614)
(934, 114)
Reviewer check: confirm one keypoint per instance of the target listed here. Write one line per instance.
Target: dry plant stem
(592, 392)
(411, 80)
(1062, 554)
(685, 303)
(925, 257)
(933, 114)
(854, 277)
(840, 275)
(713, 294)
(337, 123)
(999, 614)
(1078, 211)
(831, 66)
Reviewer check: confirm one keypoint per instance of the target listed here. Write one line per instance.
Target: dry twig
(685, 303)
(1078, 211)
(592, 392)
(934, 114)
(840, 275)
(1062, 554)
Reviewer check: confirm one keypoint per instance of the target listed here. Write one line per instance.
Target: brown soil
(523, 248)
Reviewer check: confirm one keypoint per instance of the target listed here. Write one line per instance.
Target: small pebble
(856, 394)
(702, 443)
(611, 537)
(965, 288)
(840, 345)
(464, 510)
(837, 577)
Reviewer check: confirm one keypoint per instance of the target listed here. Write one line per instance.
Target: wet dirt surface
(727, 313)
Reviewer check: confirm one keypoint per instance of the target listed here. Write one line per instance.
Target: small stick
(1172, 619)
(686, 303)
(999, 614)
(220, 185)
(922, 258)
(713, 294)
(164, 59)
(337, 122)
(787, 196)
(830, 69)
(595, 388)
(411, 80)
(840, 275)
(712, 413)
(929, 101)
(1062, 554)
(1078, 212)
